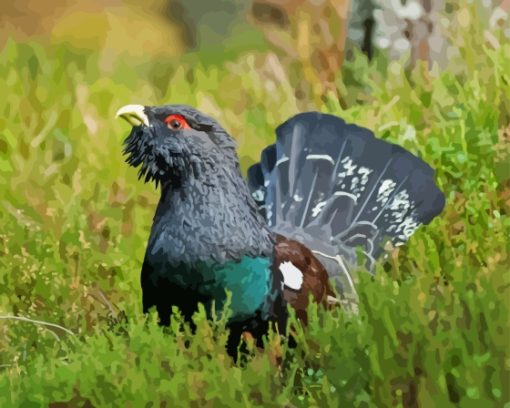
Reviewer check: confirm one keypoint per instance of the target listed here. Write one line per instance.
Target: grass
(433, 324)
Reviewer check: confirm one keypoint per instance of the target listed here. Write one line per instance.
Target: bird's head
(173, 143)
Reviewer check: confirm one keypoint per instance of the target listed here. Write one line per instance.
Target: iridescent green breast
(249, 282)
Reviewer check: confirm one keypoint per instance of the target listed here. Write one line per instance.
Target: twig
(101, 297)
(40, 322)
(344, 269)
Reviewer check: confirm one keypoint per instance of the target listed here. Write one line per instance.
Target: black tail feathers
(335, 187)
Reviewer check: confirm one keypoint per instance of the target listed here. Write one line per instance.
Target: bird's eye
(176, 122)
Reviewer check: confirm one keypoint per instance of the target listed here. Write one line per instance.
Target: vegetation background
(433, 326)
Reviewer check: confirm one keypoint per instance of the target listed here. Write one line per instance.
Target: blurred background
(431, 75)
(309, 51)
(316, 35)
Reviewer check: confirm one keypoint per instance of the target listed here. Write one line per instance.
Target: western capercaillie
(324, 193)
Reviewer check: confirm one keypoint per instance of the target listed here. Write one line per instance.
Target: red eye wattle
(176, 122)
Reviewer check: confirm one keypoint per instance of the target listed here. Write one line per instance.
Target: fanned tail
(336, 188)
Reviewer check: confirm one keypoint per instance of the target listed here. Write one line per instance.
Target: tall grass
(433, 324)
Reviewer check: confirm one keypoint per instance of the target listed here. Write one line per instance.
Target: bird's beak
(133, 114)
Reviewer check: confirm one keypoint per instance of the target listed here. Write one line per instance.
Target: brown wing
(293, 258)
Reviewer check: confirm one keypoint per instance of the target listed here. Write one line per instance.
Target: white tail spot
(292, 276)
(258, 195)
(318, 208)
(320, 157)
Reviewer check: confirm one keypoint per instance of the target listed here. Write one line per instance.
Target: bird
(325, 197)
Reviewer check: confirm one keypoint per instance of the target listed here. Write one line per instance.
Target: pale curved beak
(133, 114)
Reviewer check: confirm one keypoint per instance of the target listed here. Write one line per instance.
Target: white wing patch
(292, 276)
